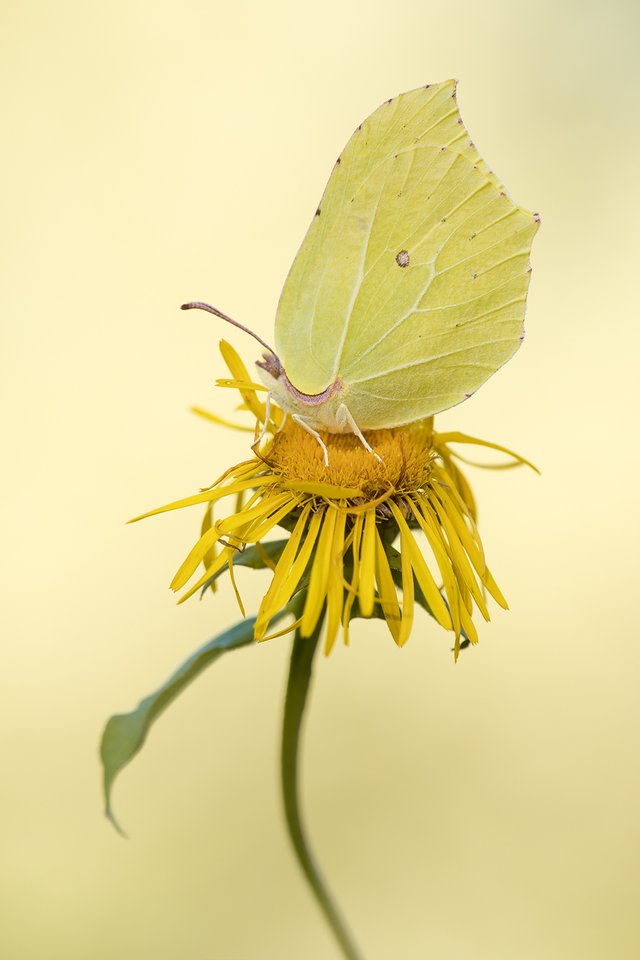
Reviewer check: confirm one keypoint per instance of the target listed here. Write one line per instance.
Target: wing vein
(440, 356)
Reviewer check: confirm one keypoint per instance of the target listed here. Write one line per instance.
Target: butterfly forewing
(411, 281)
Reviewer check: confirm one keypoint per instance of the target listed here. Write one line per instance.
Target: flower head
(343, 520)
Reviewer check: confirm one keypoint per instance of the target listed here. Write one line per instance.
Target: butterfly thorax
(318, 410)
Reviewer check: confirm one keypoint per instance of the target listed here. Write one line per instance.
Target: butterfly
(409, 289)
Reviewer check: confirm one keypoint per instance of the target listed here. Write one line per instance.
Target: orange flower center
(406, 454)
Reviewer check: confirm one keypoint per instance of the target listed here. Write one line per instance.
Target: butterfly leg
(314, 433)
(344, 417)
(267, 417)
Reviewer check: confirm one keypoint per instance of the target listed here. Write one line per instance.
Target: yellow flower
(343, 520)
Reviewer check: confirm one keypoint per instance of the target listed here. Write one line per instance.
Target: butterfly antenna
(198, 305)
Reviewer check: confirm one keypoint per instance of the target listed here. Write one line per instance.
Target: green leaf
(125, 733)
(251, 557)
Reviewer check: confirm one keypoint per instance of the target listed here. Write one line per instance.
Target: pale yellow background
(155, 152)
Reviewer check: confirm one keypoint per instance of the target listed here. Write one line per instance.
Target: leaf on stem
(125, 733)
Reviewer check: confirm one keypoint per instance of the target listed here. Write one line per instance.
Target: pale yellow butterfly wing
(407, 340)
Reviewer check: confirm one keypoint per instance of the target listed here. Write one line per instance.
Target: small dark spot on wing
(402, 258)
(318, 212)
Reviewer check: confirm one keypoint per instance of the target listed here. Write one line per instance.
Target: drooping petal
(317, 590)
(433, 534)
(335, 584)
(470, 544)
(210, 555)
(232, 577)
(459, 557)
(353, 587)
(302, 559)
(221, 421)
(366, 587)
(276, 596)
(428, 584)
(407, 577)
(387, 596)
(456, 437)
(221, 560)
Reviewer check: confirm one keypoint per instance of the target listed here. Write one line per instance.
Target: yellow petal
(407, 578)
(281, 633)
(214, 418)
(235, 586)
(456, 437)
(366, 589)
(208, 496)
(326, 490)
(319, 574)
(210, 555)
(197, 553)
(387, 596)
(356, 534)
(221, 560)
(335, 585)
(246, 517)
(276, 596)
(427, 583)
(459, 557)
(241, 376)
(259, 530)
(475, 554)
(431, 530)
(264, 556)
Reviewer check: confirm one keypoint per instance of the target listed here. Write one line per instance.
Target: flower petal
(456, 437)
(407, 583)
(387, 596)
(335, 584)
(427, 583)
(352, 593)
(210, 495)
(317, 590)
(366, 586)
(214, 418)
(276, 596)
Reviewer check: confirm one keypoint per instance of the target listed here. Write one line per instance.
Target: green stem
(297, 689)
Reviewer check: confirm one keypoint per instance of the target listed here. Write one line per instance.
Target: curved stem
(297, 688)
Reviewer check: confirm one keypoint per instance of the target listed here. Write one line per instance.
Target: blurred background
(159, 152)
